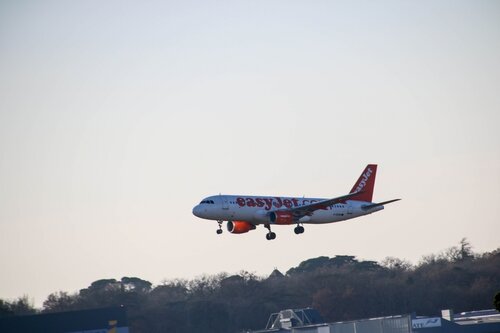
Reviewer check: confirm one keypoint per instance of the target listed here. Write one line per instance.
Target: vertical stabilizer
(365, 183)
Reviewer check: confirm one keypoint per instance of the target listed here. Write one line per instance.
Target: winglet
(365, 184)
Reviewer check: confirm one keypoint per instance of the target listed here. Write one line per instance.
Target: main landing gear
(270, 235)
(298, 229)
(219, 231)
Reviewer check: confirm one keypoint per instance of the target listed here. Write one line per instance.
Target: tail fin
(365, 183)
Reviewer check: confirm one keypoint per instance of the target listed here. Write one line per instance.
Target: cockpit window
(210, 202)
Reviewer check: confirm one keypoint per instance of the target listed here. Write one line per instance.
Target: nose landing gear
(219, 231)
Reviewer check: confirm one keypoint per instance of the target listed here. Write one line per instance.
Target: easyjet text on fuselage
(273, 202)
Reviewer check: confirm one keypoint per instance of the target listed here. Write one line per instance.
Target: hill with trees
(341, 288)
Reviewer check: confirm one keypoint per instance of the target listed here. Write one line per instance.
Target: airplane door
(225, 204)
(349, 209)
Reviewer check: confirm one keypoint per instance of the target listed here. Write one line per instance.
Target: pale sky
(117, 117)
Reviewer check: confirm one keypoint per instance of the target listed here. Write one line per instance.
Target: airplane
(244, 212)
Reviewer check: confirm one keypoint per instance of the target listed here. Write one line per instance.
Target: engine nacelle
(281, 217)
(239, 227)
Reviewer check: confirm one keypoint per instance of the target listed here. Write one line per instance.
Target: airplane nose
(197, 211)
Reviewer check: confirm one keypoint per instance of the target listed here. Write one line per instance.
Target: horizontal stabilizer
(366, 207)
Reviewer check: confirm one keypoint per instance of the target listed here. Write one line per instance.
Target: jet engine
(239, 227)
(280, 217)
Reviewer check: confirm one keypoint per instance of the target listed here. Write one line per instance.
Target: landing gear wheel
(219, 231)
(299, 229)
(270, 235)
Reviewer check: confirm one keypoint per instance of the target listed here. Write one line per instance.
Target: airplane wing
(301, 211)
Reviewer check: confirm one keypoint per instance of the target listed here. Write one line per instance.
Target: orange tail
(365, 183)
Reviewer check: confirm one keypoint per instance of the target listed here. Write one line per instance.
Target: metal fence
(399, 324)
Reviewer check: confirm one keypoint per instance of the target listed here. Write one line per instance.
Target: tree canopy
(341, 288)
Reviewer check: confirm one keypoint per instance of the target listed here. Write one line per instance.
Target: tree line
(341, 288)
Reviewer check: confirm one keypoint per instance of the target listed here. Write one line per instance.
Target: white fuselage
(256, 209)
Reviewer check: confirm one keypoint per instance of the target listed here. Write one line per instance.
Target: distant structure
(484, 321)
(107, 320)
(287, 319)
(309, 321)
